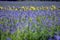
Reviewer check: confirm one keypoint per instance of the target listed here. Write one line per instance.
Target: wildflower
(53, 7)
(1, 7)
(8, 38)
(16, 8)
(32, 8)
(57, 37)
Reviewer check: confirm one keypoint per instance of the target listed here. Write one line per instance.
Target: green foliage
(29, 34)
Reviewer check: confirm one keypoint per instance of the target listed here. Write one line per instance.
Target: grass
(26, 34)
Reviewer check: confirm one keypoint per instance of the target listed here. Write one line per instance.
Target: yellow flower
(24, 8)
(53, 7)
(32, 8)
(1, 7)
(16, 9)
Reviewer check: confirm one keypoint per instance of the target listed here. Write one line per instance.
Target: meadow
(30, 25)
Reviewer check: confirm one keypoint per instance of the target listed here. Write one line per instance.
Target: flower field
(30, 24)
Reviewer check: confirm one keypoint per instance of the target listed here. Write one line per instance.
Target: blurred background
(29, 0)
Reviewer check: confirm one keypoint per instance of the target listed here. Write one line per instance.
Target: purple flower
(13, 29)
(8, 38)
(57, 37)
(50, 39)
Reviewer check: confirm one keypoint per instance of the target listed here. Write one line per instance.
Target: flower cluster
(26, 8)
(30, 25)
